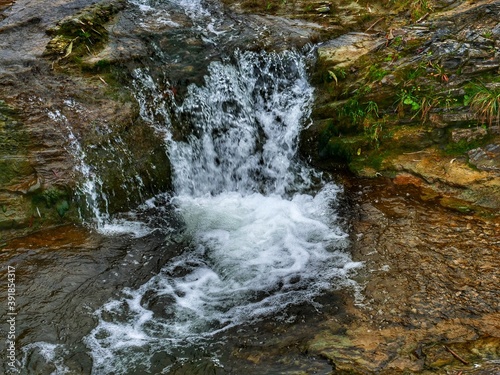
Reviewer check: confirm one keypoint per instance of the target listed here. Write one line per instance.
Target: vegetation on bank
(404, 96)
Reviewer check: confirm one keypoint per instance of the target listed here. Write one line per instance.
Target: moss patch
(83, 34)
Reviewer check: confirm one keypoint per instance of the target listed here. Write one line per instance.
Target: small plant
(485, 102)
(439, 72)
(353, 111)
(392, 57)
(426, 105)
(356, 113)
(371, 108)
(376, 73)
(407, 98)
(487, 34)
(373, 131)
(397, 41)
(449, 102)
(419, 8)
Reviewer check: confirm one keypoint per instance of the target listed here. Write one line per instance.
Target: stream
(249, 233)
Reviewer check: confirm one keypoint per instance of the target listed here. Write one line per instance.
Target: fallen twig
(102, 80)
(423, 17)
(373, 24)
(456, 355)
(416, 152)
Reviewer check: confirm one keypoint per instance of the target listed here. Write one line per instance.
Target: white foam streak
(194, 9)
(50, 353)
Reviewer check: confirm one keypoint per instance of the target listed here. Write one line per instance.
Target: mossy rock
(82, 34)
(344, 149)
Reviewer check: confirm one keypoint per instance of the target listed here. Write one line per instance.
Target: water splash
(246, 121)
(49, 354)
(90, 186)
(155, 14)
(260, 233)
(93, 199)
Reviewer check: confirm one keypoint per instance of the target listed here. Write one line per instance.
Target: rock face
(58, 111)
(423, 292)
(415, 99)
(346, 49)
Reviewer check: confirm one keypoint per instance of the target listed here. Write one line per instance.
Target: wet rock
(452, 179)
(23, 31)
(468, 135)
(419, 282)
(83, 33)
(346, 49)
(453, 118)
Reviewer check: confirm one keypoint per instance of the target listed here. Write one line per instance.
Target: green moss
(344, 149)
(82, 34)
(338, 151)
(367, 159)
(462, 147)
(50, 197)
(102, 65)
(376, 73)
(62, 207)
(410, 73)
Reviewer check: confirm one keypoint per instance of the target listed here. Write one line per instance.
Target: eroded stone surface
(346, 49)
(427, 285)
(486, 158)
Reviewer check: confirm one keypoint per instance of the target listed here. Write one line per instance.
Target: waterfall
(90, 187)
(261, 233)
(246, 122)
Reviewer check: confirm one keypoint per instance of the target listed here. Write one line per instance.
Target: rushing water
(256, 229)
(257, 238)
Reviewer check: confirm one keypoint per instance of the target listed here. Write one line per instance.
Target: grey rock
(486, 158)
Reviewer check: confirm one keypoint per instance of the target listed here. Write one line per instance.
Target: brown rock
(468, 135)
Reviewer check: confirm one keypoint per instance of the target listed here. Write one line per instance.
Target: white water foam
(257, 241)
(251, 256)
(51, 354)
(162, 13)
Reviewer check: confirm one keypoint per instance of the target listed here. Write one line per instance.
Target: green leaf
(332, 75)
(69, 50)
(467, 99)
(62, 208)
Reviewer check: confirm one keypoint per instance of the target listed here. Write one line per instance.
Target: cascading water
(90, 188)
(260, 234)
(246, 122)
